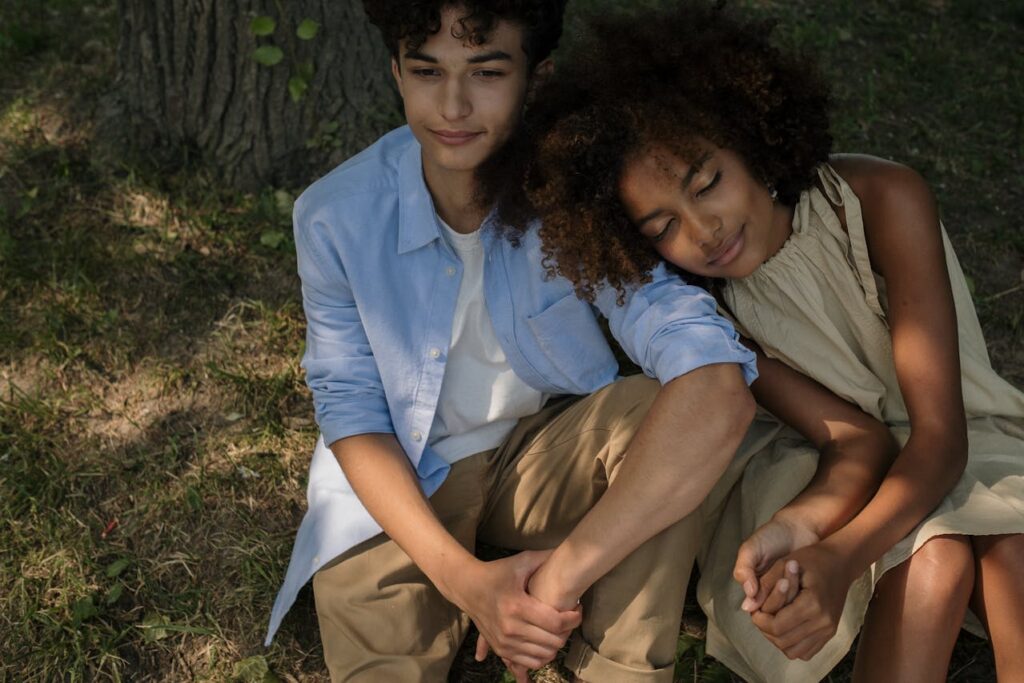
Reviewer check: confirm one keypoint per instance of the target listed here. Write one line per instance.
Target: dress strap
(840, 196)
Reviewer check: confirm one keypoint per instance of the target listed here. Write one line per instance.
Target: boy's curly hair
(680, 78)
(416, 20)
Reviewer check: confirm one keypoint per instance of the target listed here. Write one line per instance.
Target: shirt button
(435, 353)
(416, 436)
(450, 270)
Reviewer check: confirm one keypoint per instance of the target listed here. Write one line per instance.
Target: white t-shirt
(481, 397)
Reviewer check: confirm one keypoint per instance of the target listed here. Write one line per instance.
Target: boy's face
(462, 101)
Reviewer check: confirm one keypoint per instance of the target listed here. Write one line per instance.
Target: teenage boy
(446, 373)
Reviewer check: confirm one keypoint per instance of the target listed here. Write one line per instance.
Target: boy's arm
(682, 447)
(685, 442)
(353, 415)
(518, 626)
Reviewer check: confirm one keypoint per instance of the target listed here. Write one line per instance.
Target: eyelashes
(710, 186)
(664, 231)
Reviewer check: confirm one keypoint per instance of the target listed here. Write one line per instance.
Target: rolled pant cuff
(590, 666)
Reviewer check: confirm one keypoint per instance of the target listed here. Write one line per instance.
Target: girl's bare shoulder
(883, 184)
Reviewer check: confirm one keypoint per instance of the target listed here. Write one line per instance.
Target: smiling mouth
(729, 250)
(455, 137)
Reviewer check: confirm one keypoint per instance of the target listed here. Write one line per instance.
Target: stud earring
(772, 192)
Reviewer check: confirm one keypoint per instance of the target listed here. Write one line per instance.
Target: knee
(941, 572)
(1004, 553)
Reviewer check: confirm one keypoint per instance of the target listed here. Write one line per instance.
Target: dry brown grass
(154, 427)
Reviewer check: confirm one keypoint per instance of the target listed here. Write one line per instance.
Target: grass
(154, 427)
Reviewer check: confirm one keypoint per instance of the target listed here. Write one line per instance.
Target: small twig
(1005, 292)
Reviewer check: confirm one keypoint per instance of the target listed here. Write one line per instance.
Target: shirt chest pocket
(572, 345)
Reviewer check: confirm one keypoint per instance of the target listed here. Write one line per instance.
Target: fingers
(548, 618)
(784, 640)
(768, 588)
(810, 646)
(747, 579)
(776, 600)
(765, 585)
(798, 630)
(745, 569)
(525, 656)
(540, 638)
(519, 672)
(521, 644)
(517, 664)
(524, 644)
(793, 574)
(482, 648)
(805, 645)
(806, 608)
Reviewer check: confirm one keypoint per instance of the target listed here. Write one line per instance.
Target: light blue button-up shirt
(379, 286)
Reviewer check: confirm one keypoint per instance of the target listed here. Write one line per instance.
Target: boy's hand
(802, 628)
(770, 542)
(517, 626)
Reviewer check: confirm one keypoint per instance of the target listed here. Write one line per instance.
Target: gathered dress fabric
(817, 306)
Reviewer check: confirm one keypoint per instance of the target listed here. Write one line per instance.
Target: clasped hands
(518, 610)
(795, 586)
(794, 583)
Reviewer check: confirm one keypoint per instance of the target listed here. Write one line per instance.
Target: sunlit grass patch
(155, 432)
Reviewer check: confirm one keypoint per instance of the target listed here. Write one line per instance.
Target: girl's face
(710, 217)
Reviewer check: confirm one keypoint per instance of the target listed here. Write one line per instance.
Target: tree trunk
(188, 77)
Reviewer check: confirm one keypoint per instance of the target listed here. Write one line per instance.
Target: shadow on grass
(154, 431)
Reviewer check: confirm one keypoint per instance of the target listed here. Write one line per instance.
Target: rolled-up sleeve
(341, 371)
(669, 328)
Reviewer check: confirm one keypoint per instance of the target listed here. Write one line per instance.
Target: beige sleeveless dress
(818, 306)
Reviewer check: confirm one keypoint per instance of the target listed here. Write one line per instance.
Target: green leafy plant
(270, 54)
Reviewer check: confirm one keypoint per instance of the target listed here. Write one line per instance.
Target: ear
(396, 73)
(541, 73)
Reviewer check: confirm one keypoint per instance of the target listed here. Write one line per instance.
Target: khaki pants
(382, 620)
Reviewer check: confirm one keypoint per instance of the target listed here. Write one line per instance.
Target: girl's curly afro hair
(681, 78)
(416, 20)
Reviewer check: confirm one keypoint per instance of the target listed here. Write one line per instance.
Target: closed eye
(664, 231)
(710, 186)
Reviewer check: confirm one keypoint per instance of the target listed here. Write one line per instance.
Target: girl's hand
(802, 628)
(779, 586)
(772, 541)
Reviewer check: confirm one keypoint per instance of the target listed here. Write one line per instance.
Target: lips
(729, 249)
(455, 137)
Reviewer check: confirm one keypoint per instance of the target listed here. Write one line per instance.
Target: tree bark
(187, 77)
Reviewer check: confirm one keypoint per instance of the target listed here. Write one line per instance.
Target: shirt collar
(417, 221)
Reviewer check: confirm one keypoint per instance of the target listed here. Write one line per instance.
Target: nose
(455, 103)
(705, 230)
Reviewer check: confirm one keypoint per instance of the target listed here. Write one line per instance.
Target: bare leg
(999, 599)
(915, 616)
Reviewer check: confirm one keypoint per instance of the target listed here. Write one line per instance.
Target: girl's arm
(855, 450)
(905, 246)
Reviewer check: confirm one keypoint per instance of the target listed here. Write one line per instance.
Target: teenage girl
(686, 136)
